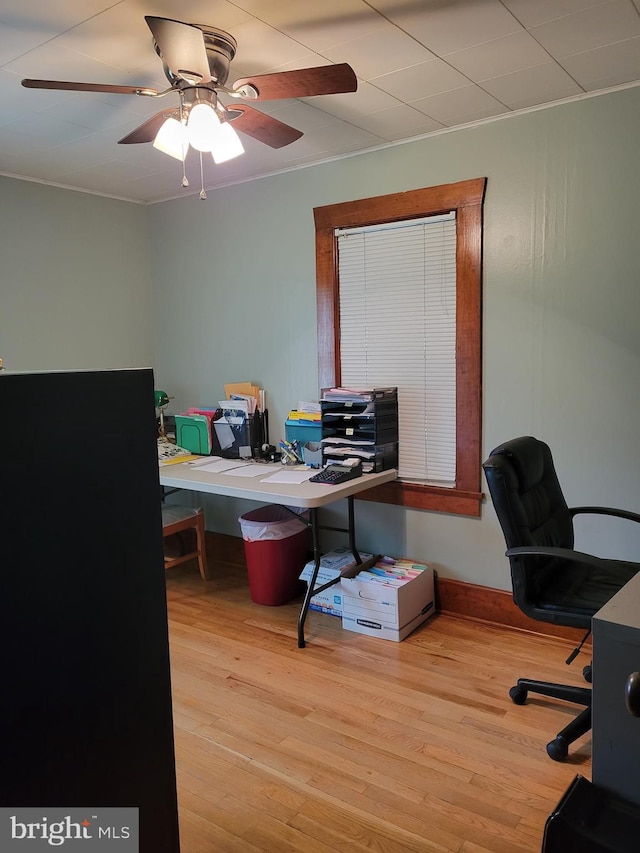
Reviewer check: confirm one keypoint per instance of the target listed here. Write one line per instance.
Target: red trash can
(276, 547)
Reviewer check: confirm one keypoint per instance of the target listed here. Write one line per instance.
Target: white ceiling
(422, 66)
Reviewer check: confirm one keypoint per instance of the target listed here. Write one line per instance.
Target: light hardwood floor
(355, 743)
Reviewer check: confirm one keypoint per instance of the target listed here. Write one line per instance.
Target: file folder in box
(193, 433)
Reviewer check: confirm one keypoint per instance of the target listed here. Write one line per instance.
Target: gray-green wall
(234, 299)
(75, 282)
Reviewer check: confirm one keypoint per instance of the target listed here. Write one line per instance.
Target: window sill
(455, 501)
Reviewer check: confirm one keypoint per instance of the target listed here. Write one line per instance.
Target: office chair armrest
(561, 553)
(605, 510)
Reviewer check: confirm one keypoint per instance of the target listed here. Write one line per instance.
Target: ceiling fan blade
(304, 83)
(147, 131)
(262, 127)
(88, 87)
(182, 48)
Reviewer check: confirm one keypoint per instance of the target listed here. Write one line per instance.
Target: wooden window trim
(466, 198)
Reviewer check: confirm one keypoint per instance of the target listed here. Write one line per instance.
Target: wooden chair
(177, 519)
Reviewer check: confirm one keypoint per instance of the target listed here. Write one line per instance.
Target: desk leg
(317, 555)
(352, 532)
(315, 533)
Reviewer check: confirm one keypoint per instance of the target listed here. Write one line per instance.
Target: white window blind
(398, 328)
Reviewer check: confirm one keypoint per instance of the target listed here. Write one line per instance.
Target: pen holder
(312, 454)
(289, 454)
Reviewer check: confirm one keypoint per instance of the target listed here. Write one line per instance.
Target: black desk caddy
(248, 437)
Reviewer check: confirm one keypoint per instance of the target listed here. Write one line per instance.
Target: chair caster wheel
(518, 695)
(558, 749)
(587, 674)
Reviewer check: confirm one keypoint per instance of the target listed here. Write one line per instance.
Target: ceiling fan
(196, 60)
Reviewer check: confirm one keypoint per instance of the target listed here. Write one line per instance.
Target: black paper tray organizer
(362, 424)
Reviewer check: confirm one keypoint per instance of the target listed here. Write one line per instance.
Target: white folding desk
(305, 495)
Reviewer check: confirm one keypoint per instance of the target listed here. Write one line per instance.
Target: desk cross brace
(316, 527)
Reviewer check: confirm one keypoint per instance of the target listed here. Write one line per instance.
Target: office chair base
(558, 748)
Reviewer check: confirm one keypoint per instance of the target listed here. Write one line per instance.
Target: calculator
(334, 474)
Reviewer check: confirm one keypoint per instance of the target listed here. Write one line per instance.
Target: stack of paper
(169, 453)
(253, 396)
(310, 408)
(298, 415)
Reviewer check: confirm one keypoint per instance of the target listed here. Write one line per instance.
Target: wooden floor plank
(356, 743)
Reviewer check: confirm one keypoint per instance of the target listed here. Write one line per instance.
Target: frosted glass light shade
(172, 139)
(227, 144)
(202, 127)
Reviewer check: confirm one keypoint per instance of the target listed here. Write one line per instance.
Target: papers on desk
(253, 469)
(347, 412)
(251, 395)
(169, 453)
(309, 408)
(354, 395)
(218, 466)
(232, 467)
(177, 460)
(290, 475)
(236, 411)
(362, 448)
(204, 460)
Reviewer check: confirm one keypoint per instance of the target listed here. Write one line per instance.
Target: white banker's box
(382, 610)
(332, 565)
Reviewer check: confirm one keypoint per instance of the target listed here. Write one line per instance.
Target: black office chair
(551, 582)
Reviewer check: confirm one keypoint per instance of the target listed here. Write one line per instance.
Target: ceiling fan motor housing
(221, 48)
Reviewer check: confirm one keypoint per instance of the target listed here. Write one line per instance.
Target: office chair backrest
(526, 494)
(531, 510)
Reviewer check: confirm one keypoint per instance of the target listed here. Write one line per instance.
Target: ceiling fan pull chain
(203, 194)
(185, 180)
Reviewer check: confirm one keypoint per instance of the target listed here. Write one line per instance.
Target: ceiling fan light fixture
(172, 139)
(203, 126)
(196, 59)
(227, 144)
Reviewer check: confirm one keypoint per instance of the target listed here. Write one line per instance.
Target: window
(397, 305)
(452, 484)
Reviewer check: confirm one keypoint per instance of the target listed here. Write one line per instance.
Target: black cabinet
(616, 657)
(85, 713)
